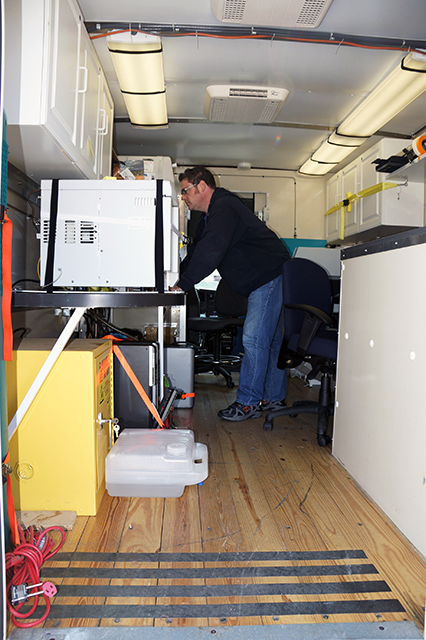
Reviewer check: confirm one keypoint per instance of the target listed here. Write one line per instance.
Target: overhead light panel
(406, 83)
(336, 148)
(332, 151)
(138, 63)
(313, 168)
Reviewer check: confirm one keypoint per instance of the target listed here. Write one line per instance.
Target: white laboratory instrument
(109, 233)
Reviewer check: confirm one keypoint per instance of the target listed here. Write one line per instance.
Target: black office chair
(229, 307)
(310, 335)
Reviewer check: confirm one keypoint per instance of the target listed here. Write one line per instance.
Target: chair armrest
(314, 311)
(314, 318)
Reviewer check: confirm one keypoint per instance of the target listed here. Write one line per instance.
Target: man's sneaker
(273, 405)
(237, 412)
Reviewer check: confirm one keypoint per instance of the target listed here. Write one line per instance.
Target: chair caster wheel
(230, 384)
(323, 441)
(293, 415)
(268, 426)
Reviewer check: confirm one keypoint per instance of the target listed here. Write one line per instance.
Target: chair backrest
(304, 282)
(228, 303)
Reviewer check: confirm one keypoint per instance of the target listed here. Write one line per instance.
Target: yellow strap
(342, 223)
(382, 186)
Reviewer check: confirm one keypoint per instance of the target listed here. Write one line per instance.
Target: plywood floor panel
(277, 534)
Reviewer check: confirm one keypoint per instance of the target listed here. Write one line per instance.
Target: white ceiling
(326, 81)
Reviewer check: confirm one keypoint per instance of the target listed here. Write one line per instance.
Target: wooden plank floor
(277, 534)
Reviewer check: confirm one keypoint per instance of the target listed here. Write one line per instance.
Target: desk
(80, 301)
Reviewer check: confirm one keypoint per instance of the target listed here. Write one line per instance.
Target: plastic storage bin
(155, 463)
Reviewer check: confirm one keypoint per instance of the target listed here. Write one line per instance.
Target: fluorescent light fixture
(312, 168)
(345, 141)
(138, 62)
(336, 148)
(331, 153)
(406, 83)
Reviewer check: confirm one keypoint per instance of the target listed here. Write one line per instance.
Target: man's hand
(175, 288)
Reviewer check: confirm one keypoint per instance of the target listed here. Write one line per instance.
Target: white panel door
(105, 129)
(61, 74)
(333, 197)
(88, 103)
(370, 209)
(350, 186)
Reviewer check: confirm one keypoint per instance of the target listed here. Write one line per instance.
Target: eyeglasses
(185, 189)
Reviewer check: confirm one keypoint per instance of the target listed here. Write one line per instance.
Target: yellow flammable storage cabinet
(58, 451)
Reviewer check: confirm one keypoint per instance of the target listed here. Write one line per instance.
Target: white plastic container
(155, 463)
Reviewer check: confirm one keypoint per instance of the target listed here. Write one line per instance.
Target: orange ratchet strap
(6, 302)
(14, 531)
(139, 388)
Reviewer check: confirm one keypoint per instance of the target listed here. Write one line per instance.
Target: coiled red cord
(23, 566)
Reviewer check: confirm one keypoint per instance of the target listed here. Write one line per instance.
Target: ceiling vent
(244, 104)
(294, 14)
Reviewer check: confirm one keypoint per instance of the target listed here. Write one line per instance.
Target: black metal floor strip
(357, 605)
(225, 610)
(267, 556)
(214, 572)
(225, 590)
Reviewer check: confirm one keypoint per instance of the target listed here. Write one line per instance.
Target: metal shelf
(413, 172)
(95, 299)
(79, 301)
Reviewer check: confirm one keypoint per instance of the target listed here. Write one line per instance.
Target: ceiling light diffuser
(312, 168)
(138, 63)
(406, 83)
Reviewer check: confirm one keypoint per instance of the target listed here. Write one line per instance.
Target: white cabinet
(397, 207)
(88, 104)
(105, 129)
(340, 186)
(60, 71)
(370, 207)
(383, 213)
(333, 197)
(54, 89)
(350, 185)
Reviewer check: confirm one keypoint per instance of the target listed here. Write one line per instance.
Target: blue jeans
(260, 379)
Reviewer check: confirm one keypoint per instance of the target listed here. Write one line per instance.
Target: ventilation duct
(244, 104)
(296, 14)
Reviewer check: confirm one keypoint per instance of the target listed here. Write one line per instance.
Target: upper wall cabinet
(57, 102)
(104, 130)
(384, 211)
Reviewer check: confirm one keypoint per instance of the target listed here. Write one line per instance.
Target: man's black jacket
(235, 242)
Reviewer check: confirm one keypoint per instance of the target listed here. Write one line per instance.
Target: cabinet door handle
(104, 129)
(86, 74)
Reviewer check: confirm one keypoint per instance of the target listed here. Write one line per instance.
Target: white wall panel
(380, 419)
